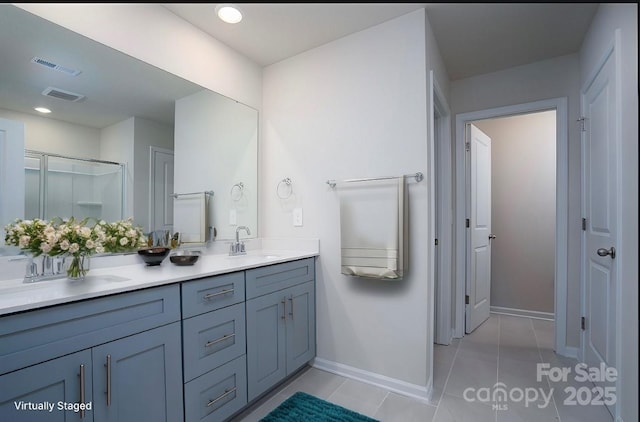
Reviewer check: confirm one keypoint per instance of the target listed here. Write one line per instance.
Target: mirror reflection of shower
(60, 186)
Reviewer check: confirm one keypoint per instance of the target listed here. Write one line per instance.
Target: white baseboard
(570, 351)
(548, 316)
(418, 392)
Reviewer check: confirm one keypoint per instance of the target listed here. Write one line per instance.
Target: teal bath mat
(302, 407)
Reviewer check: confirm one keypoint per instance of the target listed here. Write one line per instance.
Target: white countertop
(16, 296)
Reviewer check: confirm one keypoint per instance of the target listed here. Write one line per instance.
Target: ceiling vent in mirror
(62, 94)
(49, 64)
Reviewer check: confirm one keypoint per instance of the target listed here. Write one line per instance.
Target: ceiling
(116, 86)
(473, 38)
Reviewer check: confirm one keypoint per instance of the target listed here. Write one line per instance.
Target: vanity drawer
(218, 394)
(36, 336)
(213, 339)
(207, 294)
(264, 280)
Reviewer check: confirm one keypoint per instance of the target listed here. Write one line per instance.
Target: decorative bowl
(182, 258)
(154, 256)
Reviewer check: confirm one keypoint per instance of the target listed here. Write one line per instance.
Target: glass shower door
(64, 187)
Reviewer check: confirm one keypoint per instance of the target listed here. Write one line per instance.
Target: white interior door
(161, 190)
(478, 234)
(601, 163)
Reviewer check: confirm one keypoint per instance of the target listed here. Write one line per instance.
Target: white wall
(601, 33)
(154, 34)
(541, 80)
(355, 107)
(147, 133)
(523, 210)
(217, 147)
(117, 144)
(55, 136)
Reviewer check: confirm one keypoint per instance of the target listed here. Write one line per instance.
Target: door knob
(604, 252)
(492, 236)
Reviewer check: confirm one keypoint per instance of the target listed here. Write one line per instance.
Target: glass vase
(78, 267)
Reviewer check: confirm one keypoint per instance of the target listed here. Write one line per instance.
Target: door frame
(152, 169)
(441, 175)
(562, 209)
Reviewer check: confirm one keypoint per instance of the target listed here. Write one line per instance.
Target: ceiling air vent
(62, 94)
(49, 64)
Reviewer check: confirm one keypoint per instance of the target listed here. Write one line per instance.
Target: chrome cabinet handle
(604, 252)
(225, 394)
(223, 338)
(284, 307)
(220, 293)
(108, 366)
(291, 311)
(81, 391)
(492, 236)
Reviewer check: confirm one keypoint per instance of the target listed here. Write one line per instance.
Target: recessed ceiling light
(42, 110)
(229, 13)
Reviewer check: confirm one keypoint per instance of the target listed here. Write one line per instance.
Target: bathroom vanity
(182, 343)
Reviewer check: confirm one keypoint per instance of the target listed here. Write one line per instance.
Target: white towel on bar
(373, 239)
(190, 217)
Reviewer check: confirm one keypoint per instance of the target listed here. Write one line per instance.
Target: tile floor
(505, 349)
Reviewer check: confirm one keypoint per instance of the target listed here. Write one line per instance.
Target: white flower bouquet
(122, 236)
(74, 238)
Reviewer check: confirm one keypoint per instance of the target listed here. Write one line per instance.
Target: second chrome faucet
(238, 247)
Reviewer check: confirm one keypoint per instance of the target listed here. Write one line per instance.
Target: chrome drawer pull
(220, 293)
(284, 308)
(225, 394)
(82, 380)
(108, 366)
(223, 338)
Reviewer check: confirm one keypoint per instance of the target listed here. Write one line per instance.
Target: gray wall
(523, 186)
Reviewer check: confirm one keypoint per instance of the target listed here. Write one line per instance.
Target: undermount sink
(112, 278)
(256, 255)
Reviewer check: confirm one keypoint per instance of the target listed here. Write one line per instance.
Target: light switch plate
(297, 217)
(233, 218)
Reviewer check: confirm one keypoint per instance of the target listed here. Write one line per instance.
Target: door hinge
(582, 120)
(467, 222)
(467, 146)
(436, 242)
(584, 224)
(466, 299)
(583, 323)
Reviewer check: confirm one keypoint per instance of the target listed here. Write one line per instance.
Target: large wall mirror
(117, 129)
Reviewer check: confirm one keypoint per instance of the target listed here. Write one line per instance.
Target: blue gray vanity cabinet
(140, 376)
(66, 379)
(42, 351)
(214, 347)
(280, 322)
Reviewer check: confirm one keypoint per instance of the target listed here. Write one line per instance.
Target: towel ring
(237, 191)
(286, 181)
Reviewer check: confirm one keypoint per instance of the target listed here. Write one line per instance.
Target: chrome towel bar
(207, 192)
(418, 176)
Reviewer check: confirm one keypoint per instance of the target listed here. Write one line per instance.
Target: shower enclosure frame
(44, 168)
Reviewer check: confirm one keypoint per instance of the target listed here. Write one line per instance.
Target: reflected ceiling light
(42, 110)
(229, 13)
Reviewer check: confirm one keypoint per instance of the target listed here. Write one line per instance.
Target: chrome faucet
(237, 247)
(42, 268)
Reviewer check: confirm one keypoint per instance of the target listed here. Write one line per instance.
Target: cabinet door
(58, 380)
(266, 365)
(301, 323)
(139, 378)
